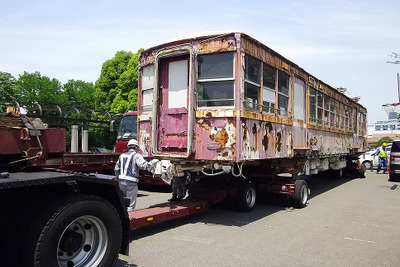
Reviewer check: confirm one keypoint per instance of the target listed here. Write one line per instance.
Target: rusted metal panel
(215, 138)
(265, 140)
(324, 143)
(144, 137)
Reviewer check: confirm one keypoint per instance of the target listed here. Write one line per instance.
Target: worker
(179, 187)
(127, 171)
(382, 158)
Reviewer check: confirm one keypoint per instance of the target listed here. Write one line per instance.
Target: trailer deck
(166, 211)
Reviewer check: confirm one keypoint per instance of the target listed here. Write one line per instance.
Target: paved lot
(348, 222)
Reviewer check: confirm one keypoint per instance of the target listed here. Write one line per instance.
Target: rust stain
(313, 141)
(279, 141)
(268, 133)
(205, 125)
(254, 132)
(220, 137)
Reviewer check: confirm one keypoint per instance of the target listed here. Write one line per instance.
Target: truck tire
(300, 196)
(368, 165)
(246, 196)
(77, 230)
(363, 172)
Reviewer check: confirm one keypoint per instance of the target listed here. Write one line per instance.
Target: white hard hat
(133, 143)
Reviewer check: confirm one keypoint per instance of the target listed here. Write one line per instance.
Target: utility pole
(396, 56)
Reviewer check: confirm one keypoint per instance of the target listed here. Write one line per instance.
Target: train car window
(252, 82)
(312, 100)
(215, 80)
(269, 85)
(327, 117)
(320, 107)
(147, 88)
(337, 108)
(283, 93)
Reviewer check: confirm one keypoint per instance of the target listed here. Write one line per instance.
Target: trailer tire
(300, 195)
(77, 230)
(246, 196)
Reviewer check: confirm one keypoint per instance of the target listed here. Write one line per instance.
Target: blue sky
(344, 43)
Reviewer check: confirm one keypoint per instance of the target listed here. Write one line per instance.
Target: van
(394, 161)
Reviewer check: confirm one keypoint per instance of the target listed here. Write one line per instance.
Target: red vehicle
(127, 130)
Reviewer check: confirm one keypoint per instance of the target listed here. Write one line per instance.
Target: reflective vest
(382, 152)
(129, 170)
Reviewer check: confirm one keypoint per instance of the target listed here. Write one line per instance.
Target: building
(389, 127)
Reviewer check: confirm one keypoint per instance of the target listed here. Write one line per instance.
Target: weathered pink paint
(236, 134)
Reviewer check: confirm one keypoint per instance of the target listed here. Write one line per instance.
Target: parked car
(97, 150)
(370, 159)
(394, 161)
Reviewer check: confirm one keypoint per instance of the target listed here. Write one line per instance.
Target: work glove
(152, 164)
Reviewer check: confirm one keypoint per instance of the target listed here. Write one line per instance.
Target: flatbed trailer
(166, 212)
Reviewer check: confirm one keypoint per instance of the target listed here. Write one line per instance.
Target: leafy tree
(80, 94)
(116, 89)
(106, 86)
(7, 86)
(35, 87)
(385, 139)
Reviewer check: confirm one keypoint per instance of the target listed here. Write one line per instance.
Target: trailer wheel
(78, 230)
(300, 196)
(246, 196)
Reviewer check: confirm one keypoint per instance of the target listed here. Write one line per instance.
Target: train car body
(225, 103)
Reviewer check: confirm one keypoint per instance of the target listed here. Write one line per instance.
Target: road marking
(394, 187)
(359, 240)
(192, 239)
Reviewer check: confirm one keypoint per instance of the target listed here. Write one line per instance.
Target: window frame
(209, 81)
(253, 105)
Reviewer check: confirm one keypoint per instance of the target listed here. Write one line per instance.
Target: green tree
(80, 94)
(116, 89)
(385, 139)
(35, 87)
(106, 87)
(8, 86)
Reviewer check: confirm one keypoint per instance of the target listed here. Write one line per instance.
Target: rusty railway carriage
(225, 105)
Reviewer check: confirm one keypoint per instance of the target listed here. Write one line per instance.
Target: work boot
(174, 198)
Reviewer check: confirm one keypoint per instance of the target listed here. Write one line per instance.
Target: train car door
(299, 115)
(172, 110)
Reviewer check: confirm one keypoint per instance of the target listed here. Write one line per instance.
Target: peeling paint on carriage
(215, 138)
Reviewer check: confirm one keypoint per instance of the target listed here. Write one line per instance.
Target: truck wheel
(363, 172)
(78, 230)
(368, 165)
(246, 196)
(300, 196)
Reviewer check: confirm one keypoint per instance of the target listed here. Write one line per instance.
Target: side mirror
(112, 126)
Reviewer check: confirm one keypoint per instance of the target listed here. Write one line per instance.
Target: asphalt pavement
(347, 222)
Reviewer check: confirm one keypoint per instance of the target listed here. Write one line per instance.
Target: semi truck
(51, 217)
